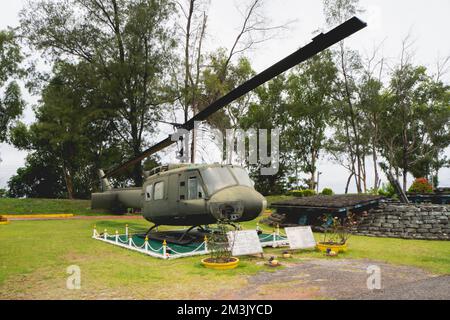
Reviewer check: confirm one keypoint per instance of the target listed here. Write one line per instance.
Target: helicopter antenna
(317, 45)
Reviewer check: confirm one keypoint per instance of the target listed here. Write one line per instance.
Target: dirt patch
(334, 279)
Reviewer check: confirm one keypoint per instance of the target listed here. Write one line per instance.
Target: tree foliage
(11, 102)
(123, 46)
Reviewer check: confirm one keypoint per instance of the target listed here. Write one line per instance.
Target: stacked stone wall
(407, 221)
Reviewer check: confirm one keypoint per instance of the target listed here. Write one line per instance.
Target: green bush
(387, 190)
(308, 193)
(421, 185)
(302, 193)
(327, 192)
(3, 193)
(296, 193)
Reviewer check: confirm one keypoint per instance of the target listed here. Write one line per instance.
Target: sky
(388, 21)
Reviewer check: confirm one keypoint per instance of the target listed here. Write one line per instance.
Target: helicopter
(197, 195)
(188, 195)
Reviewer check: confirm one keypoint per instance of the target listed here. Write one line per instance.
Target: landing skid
(181, 237)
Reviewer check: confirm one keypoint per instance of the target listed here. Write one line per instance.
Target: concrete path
(342, 279)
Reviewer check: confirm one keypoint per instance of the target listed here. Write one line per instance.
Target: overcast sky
(389, 22)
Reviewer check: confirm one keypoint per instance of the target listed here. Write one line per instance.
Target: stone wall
(408, 221)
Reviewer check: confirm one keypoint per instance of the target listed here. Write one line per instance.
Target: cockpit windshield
(216, 178)
(242, 176)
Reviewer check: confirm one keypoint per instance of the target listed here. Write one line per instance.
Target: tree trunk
(405, 172)
(348, 182)
(312, 183)
(69, 183)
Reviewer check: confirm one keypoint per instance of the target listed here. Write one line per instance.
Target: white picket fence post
(105, 235)
(146, 244)
(165, 249)
(206, 243)
(117, 236)
(126, 230)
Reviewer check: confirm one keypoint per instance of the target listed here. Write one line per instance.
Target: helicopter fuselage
(188, 195)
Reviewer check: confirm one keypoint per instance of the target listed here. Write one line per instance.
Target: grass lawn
(43, 206)
(34, 256)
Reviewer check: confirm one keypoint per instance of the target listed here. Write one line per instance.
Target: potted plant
(337, 231)
(220, 249)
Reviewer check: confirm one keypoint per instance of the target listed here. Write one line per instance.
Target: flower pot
(3, 220)
(333, 247)
(221, 265)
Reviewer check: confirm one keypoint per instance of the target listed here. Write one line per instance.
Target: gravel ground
(343, 279)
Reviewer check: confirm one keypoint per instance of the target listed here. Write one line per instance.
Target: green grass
(34, 256)
(43, 206)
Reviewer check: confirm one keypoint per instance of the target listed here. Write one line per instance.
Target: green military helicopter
(201, 194)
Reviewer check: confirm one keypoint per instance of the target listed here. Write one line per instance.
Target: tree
(70, 133)
(416, 122)
(40, 178)
(371, 104)
(347, 116)
(11, 102)
(269, 112)
(127, 45)
(207, 76)
(310, 86)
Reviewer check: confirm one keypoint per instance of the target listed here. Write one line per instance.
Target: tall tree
(347, 115)
(269, 112)
(127, 45)
(310, 88)
(11, 102)
(416, 122)
(70, 133)
(206, 76)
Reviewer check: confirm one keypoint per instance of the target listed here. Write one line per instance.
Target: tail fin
(106, 185)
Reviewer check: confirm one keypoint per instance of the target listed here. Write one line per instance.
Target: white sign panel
(300, 237)
(244, 242)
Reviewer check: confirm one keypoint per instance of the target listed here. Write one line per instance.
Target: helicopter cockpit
(217, 178)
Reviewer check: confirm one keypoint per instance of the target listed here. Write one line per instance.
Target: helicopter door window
(159, 191)
(192, 188)
(148, 192)
(201, 193)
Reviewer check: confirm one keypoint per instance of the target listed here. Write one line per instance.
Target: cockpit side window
(195, 189)
(159, 191)
(192, 188)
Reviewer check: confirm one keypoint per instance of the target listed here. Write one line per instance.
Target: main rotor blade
(318, 44)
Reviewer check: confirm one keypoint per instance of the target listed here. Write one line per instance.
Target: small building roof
(335, 201)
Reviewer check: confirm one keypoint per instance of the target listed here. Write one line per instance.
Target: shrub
(296, 193)
(421, 185)
(387, 190)
(327, 192)
(308, 193)
(302, 193)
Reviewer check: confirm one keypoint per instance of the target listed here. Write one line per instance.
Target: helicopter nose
(237, 203)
